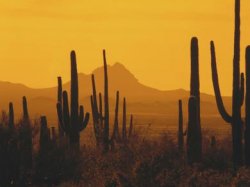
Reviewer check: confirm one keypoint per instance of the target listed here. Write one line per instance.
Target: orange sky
(150, 37)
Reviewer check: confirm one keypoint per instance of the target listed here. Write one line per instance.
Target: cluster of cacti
(72, 121)
(101, 122)
(15, 145)
(238, 92)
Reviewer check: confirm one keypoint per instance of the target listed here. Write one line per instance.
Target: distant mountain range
(142, 100)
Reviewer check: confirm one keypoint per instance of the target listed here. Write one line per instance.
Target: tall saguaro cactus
(72, 121)
(247, 108)
(194, 137)
(238, 91)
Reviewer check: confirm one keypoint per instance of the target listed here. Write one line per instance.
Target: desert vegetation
(35, 153)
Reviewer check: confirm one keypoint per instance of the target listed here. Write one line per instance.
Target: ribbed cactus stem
(124, 121)
(25, 109)
(11, 116)
(193, 133)
(180, 127)
(247, 108)
(106, 105)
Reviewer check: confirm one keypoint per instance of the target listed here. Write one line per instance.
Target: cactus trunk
(193, 133)
(59, 100)
(194, 142)
(247, 108)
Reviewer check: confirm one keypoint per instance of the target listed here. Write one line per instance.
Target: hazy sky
(150, 37)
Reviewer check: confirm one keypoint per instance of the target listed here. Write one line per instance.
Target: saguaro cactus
(59, 100)
(75, 121)
(180, 127)
(193, 132)
(247, 108)
(194, 127)
(238, 91)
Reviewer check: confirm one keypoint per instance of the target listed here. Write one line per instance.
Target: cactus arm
(83, 121)
(219, 101)
(242, 88)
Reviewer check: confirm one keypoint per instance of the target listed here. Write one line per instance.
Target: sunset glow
(151, 38)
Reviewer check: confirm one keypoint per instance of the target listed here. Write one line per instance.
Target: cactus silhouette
(194, 137)
(238, 91)
(59, 100)
(180, 128)
(247, 108)
(75, 121)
